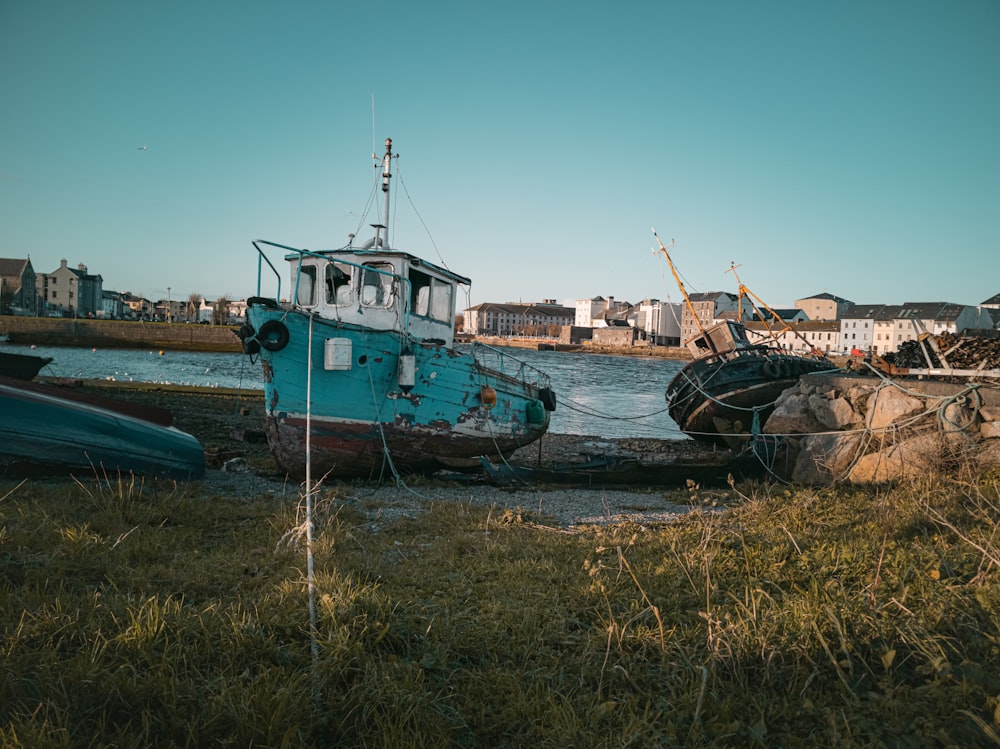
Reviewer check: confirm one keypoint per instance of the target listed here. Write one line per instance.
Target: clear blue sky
(851, 147)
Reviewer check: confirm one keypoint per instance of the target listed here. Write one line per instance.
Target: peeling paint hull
(363, 424)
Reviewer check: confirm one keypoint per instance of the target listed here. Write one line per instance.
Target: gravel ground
(229, 427)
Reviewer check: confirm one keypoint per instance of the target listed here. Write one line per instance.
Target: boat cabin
(379, 290)
(721, 338)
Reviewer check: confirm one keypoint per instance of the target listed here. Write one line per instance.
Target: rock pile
(871, 430)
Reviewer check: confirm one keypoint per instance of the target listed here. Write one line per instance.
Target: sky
(848, 147)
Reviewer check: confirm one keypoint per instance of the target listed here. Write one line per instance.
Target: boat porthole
(273, 335)
(362, 360)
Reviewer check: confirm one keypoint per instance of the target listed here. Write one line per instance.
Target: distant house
(590, 310)
(993, 302)
(780, 315)
(710, 307)
(823, 306)
(136, 307)
(801, 336)
(881, 328)
(112, 305)
(490, 319)
(659, 322)
(73, 290)
(18, 292)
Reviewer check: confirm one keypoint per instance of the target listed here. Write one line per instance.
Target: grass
(146, 615)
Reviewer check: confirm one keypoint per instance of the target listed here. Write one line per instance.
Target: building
(73, 290)
(710, 307)
(801, 337)
(136, 307)
(659, 322)
(542, 319)
(598, 308)
(823, 306)
(881, 328)
(18, 290)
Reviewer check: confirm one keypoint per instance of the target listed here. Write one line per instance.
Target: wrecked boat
(362, 377)
(729, 389)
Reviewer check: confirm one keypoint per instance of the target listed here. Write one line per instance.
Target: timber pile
(948, 351)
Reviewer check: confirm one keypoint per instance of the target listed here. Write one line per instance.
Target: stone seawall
(44, 331)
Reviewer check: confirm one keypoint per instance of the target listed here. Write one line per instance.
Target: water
(599, 395)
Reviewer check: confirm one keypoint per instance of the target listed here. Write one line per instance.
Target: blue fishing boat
(362, 376)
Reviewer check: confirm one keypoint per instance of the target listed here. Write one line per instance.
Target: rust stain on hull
(345, 450)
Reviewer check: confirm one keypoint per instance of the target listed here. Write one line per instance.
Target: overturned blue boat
(362, 378)
(48, 431)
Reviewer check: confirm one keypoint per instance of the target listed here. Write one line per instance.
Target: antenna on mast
(680, 283)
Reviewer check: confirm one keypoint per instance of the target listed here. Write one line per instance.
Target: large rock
(910, 458)
(824, 458)
(792, 415)
(833, 412)
(889, 406)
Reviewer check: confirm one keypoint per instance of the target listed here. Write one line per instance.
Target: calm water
(606, 396)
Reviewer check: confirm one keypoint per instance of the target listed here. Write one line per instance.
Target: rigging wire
(399, 175)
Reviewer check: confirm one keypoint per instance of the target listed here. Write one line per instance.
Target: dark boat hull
(723, 399)
(21, 366)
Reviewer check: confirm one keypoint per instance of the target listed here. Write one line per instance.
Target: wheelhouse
(385, 290)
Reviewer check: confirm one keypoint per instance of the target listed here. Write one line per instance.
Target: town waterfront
(597, 394)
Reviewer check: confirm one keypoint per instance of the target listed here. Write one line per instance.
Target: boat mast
(680, 284)
(751, 297)
(386, 176)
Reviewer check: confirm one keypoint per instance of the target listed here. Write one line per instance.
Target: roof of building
(710, 296)
(13, 266)
(995, 299)
(513, 308)
(828, 297)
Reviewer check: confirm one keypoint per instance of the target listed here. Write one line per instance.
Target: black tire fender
(273, 335)
(263, 301)
(247, 336)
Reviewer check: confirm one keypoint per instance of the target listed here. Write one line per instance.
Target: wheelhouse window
(377, 285)
(338, 285)
(430, 297)
(306, 285)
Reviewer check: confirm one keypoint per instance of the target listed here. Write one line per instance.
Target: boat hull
(350, 405)
(719, 399)
(21, 366)
(42, 434)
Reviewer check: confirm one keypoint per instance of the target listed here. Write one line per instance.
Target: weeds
(144, 615)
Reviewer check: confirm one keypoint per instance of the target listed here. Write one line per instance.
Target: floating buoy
(536, 412)
(407, 370)
(487, 396)
(161, 352)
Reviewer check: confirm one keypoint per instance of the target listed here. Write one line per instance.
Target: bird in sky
(142, 148)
